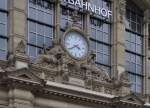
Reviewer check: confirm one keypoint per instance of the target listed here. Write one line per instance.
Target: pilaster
(57, 36)
(20, 98)
(145, 50)
(18, 25)
(87, 24)
(18, 33)
(118, 38)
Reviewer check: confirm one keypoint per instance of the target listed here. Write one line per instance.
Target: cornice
(77, 94)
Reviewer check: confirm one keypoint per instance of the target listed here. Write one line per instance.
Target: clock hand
(72, 47)
(77, 46)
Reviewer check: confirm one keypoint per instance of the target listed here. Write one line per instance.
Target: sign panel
(90, 7)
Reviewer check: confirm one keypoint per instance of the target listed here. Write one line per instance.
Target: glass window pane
(139, 69)
(48, 32)
(99, 35)
(133, 17)
(48, 42)
(3, 17)
(40, 41)
(106, 28)
(106, 59)
(3, 44)
(93, 33)
(106, 49)
(48, 19)
(32, 51)
(32, 26)
(99, 58)
(139, 60)
(3, 55)
(99, 47)
(40, 16)
(3, 4)
(132, 47)
(32, 38)
(133, 26)
(133, 38)
(3, 29)
(40, 29)
(139, 84)
(139, 49)
(32, 13)
(132, 79)
(106, 38)
(93, 45)
(138, 39)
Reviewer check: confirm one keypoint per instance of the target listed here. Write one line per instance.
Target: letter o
(104, 12)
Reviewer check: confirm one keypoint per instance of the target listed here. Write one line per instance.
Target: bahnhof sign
(90, 7)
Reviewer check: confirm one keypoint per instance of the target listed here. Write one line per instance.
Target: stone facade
(57, 81)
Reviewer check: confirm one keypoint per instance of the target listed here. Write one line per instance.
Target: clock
(76, 45)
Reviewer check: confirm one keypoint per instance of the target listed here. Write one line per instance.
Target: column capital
(122, 10)
(147, 16)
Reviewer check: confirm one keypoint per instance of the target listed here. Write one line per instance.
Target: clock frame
(83, 36)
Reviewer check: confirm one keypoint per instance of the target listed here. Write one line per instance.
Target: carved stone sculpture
(11, 62)
(124, 77)
(1, 70)
(20, 47)
(94, 75)
(50, 59)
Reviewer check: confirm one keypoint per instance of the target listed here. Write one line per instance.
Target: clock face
(76, 45)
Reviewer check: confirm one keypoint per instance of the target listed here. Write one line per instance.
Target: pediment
(25, 75)
(132, 98)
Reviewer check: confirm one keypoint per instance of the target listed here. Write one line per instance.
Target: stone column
(87, 27)
(57, 36)
(18, 25)
(145, 51)
(18, 31)
(20, 98)
(118, 37)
